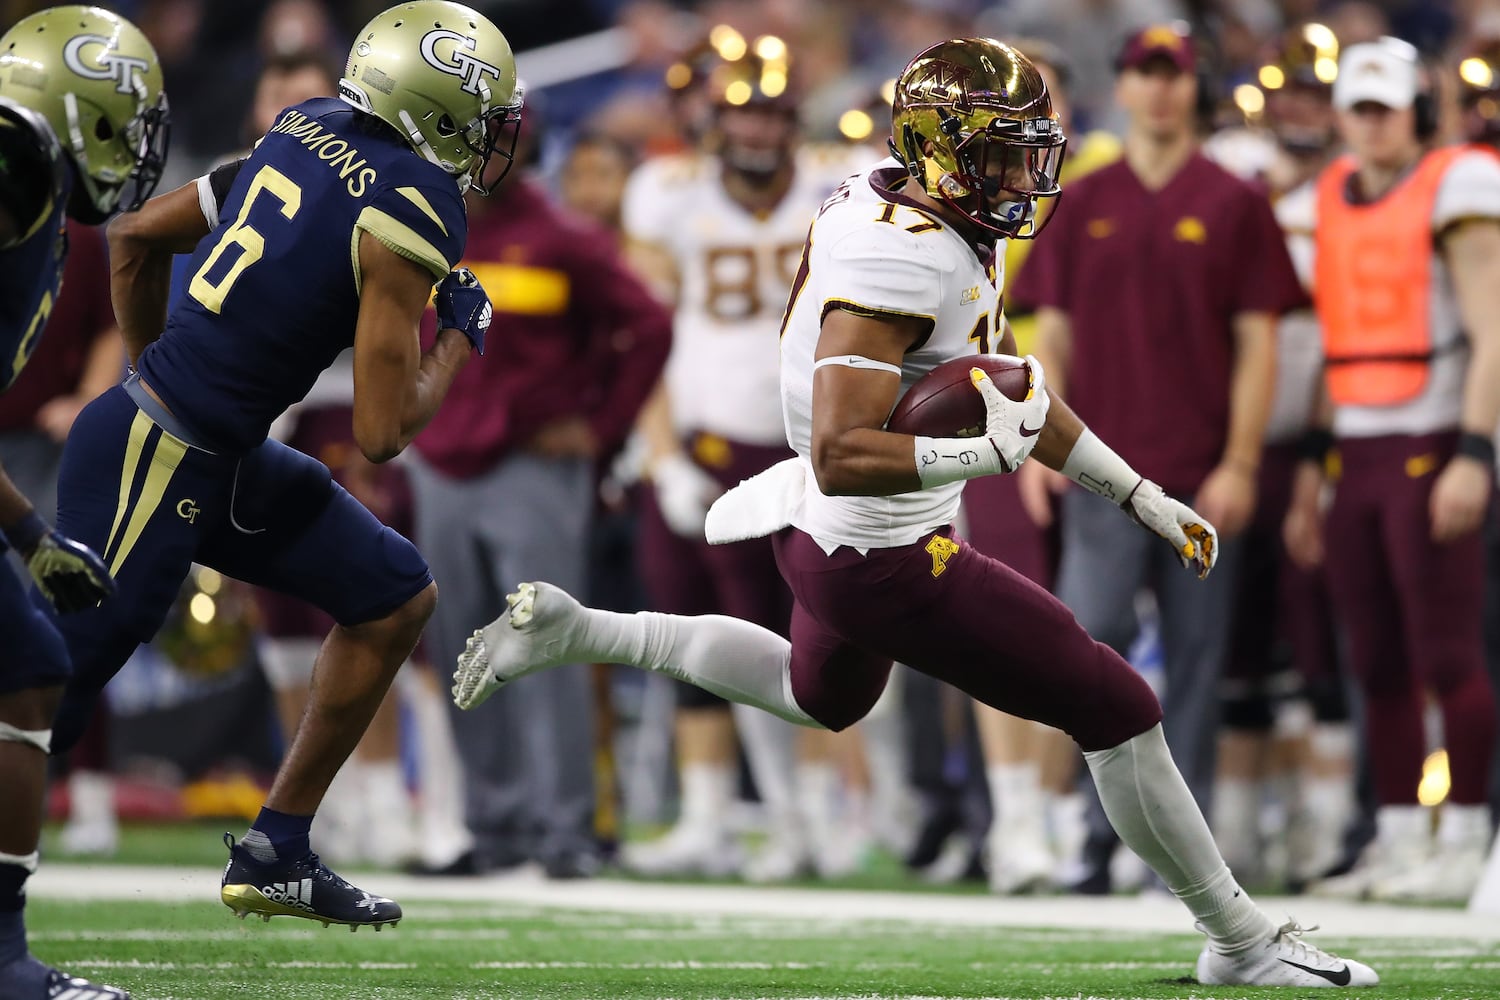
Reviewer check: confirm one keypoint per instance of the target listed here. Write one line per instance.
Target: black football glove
(462, 305)
(68, 573)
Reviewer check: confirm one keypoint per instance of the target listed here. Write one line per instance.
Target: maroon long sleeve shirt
(575, 334)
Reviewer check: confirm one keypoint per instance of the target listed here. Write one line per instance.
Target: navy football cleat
(27, 978)
(305, 888)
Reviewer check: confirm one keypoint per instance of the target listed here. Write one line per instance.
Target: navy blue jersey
(273, 294)
(34, 187)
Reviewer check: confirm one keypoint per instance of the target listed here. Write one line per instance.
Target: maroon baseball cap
(1173, 42)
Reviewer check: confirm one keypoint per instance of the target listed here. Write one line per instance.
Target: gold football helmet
(1479, 92)
(96, 80)
(973, 124)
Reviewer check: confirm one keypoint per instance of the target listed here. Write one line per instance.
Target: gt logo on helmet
(106, 65)
(459, 63)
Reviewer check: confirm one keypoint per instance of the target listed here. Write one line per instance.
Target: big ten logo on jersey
(741, 282)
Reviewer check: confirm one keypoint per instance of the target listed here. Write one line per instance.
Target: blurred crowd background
(587, 773)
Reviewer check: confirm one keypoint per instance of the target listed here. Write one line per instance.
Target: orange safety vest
(1373, 283)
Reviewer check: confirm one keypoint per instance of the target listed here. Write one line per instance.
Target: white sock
(1152, 810)
(92, 794)
(1463, 827)
(1236, 823)
(734, 659)
(770, 750)
(445, 836)
(817, 799)
(707, 791)
(1016, 797)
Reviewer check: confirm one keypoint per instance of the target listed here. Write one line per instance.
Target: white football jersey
(734, 269)
(872, 251)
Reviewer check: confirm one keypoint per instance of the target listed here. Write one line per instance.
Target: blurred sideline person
(898, 275)
(1479, 101)
(83, 132)
(1407, 281)
(503, 483)
(1160, 260)
(719, 233)
(355, 218)
(1286, 718)
(1031, 770)
(593, 176)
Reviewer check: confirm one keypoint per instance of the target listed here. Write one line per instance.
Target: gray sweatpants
(1106, 560)
(528, 751)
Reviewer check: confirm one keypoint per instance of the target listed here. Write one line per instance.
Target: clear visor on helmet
(1013, 169)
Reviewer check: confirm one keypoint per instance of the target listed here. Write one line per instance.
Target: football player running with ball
(82, 119)
(899, 276)
(331, 233)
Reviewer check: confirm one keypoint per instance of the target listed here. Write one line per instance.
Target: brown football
(944, 402)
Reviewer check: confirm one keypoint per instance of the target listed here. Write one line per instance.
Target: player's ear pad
(278, 487)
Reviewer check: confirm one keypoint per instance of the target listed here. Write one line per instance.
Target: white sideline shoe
(1282, 960)
(517, 643)
(686, 849)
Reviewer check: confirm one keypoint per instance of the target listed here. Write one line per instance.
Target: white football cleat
(1284, 959)
(1447, 877)
(519, 642)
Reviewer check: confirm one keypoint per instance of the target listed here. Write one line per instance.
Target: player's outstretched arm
(141, 245)
(397, 389)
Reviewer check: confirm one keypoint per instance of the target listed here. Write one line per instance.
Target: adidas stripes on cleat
(304, 888)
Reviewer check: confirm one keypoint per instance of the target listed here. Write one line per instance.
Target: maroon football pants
(941, 607)
(1413, 610)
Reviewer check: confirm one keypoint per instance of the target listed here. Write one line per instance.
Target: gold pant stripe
(140, 427)
(164, 461)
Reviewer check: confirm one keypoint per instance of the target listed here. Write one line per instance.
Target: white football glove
(684, 493)
(1191, 536)
(1014, 427)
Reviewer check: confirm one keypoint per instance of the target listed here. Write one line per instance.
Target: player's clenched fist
(1191, 536)
(1013, 426)
(462, 305)
(68, 573)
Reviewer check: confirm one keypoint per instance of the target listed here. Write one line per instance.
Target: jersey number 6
(252, 244)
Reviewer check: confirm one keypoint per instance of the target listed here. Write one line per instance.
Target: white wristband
(1094, 465)
(941, 461)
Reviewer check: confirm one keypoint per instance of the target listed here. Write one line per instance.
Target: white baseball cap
(1386, 72)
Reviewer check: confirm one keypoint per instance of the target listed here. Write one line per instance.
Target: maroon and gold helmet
(1479, 92)
(971, 117)
(1307, 55)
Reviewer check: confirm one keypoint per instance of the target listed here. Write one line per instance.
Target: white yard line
(528, 891)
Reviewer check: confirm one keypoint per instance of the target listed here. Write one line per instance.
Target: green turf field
(195, 951)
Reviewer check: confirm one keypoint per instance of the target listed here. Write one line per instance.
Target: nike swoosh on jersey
(1338, 977)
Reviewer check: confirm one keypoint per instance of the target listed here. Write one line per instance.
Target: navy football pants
(152, 505)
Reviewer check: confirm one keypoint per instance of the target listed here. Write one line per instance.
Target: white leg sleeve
(1152, 810)
(734, 659)
(39, 738)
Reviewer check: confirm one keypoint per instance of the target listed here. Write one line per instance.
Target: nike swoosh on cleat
(1027, 432)
(1338, 977)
